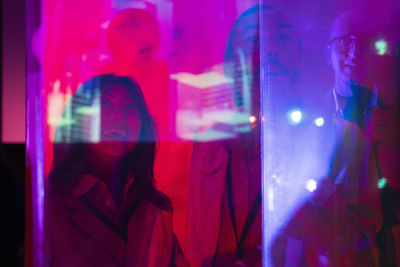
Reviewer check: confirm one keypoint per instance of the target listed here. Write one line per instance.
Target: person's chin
(278, 79)
(116, 149)
(358, 79)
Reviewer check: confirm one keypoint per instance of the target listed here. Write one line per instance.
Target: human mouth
(115, 134)
(275, 69)
(350, 65)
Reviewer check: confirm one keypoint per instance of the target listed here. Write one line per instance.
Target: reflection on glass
(278, 132)
(352, 216)
(224, 214)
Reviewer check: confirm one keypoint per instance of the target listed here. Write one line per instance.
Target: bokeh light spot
(319, 121)
(295, 117)
(311, 185)
(381, 47)
(382, 183)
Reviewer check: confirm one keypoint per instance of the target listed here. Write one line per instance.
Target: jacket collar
(88, 181)
(340, 102)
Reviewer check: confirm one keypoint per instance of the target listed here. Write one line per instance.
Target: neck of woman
(112, 171)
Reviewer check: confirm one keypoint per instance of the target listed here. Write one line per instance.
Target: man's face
(349, 48)
(279, 55)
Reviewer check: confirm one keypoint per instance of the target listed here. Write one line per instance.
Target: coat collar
(91, 222)
(88, 181)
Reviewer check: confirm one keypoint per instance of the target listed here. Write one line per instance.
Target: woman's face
(120, 122)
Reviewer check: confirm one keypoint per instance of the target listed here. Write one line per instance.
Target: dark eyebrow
(285, 26)
(248, 28)
(256, 27)
(106, 94)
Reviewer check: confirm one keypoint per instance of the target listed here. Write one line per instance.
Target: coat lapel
(100, 233)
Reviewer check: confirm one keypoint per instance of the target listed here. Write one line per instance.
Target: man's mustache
(273, 68)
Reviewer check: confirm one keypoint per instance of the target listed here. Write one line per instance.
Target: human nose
(271, 51)
(352, 50)
(272, 56)
(118, 114)
(355, 50)
(269, 46)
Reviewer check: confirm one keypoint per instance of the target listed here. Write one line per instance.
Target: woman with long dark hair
(102, 206)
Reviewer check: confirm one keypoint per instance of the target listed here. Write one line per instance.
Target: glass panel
(213, 133)
(330, 101)
(106, 77)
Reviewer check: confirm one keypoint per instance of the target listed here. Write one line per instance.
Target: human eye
(285, 38)
(130, 106)
(340, 42)
(252, 40)
(105, 102)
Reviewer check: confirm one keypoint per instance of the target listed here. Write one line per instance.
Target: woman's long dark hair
(71, 139)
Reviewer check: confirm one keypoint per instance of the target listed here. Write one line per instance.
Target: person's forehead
(115, 90)
(271, 20)
(348, 24)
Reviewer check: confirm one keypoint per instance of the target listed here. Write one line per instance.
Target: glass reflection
(293, 120)
(224, 214)
(351, 217)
